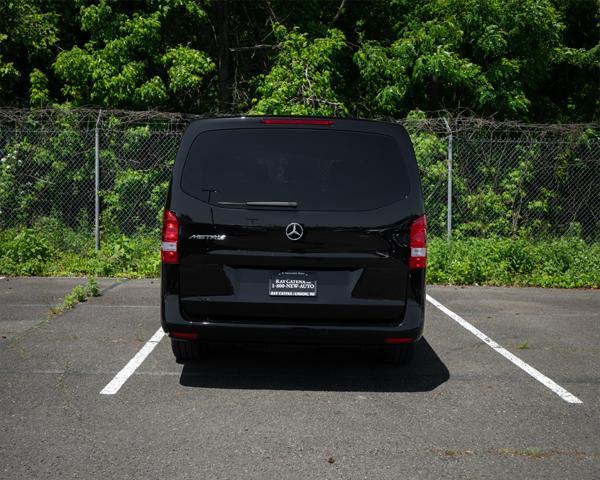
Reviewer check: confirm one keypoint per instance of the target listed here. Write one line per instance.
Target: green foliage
(63, 238)
(304, 76)
(119, 256)
(456, 53)
(39, 95)
(497, 205)
(136, 183)
(566, 263)
(51, 248)
(29, 33)
(123, 63)
(8, 72)
(78, 294)
(26, 253)
(518, 59)
(130, 256)
(515, 190)
(187, 69)
(91, 289)
(37, 169)
(143, 186)
(116, 255)
(431, 152)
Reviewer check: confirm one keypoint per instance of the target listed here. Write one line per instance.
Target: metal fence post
(449, 200)
(97, 183)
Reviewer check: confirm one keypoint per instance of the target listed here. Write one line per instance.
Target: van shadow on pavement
(314, 369)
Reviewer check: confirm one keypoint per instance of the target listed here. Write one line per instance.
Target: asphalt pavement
(461, 410)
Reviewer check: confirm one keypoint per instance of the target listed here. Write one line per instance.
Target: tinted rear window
(319, 169)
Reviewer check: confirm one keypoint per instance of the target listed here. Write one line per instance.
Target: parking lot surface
(461, 410)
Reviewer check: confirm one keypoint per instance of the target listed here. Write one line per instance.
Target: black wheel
(185, 351)
(399, 354)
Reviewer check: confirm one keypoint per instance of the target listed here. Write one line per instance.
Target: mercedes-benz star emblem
(294, 231)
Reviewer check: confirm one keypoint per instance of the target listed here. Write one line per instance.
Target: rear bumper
(291, 333)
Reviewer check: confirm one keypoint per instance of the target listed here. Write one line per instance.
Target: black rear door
(347, 192)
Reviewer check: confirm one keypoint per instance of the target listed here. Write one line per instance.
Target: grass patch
(47, 249)
(79, 293)
(565, 262)
(530, 452)
(523, 346)
(119, 256)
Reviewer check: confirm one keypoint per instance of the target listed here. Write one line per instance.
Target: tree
(529, 60)
(490, 56)
(304, 76)
(575, 77)
(139, 56)
(29, 32)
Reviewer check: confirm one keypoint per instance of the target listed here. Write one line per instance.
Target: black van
(297, 231)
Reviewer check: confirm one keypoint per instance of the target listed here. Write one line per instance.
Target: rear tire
(185, 351)
(399, 354)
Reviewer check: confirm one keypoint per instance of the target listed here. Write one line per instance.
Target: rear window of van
(326, 170)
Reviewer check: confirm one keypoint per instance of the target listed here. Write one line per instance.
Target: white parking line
(120, 378)
(540, 377)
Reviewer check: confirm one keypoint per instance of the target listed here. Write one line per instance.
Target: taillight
(170, 238)
(418, 243)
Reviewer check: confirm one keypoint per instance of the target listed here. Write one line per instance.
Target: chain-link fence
(485, 178)
(480, 177)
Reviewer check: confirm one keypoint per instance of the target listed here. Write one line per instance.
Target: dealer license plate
(293, 284)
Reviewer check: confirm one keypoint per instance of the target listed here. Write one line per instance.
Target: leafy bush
(565, 262)
(25, 254)
(49, 248)
(129, 256)
(91, 289)
(65, 238)
(146, 188)
(79, 293)
(76, 295)
(46, 174)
